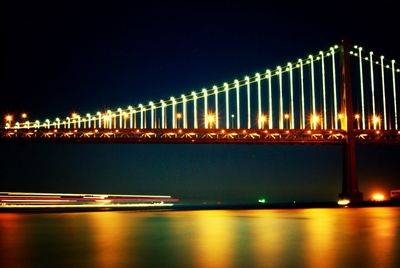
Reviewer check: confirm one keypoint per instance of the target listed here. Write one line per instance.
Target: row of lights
(215, 90)
(209, 120)
(314, 119)
(371, 53)
(109, 115)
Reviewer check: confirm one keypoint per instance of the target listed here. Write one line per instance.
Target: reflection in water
(367, 237)
(109, 238)
(12, 246)
(266, 238)
(320, 238)
(385, 239)
(213, 241)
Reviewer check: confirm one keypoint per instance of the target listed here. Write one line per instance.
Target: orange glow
(315, 119)
(210, 119)
(74, 115)
(286, 116)
(378, 197)
(376, 119)
(179, 115)
(24, 115)
(9, 118)
(357, 116)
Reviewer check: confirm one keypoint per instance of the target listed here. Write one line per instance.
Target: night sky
(60, 57)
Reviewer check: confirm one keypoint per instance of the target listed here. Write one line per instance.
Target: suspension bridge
(341, 95)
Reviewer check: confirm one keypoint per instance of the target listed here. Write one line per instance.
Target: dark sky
(58, 57)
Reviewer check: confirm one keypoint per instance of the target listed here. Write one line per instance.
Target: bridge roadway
(196, 136)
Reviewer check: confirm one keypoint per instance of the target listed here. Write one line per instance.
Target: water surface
(344, 237)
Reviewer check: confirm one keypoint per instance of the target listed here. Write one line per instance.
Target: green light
(262, 200)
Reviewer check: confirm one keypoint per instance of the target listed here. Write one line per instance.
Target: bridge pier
(350, 181)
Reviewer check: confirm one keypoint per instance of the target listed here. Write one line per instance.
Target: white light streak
(226, 87)
(383, 94)
(323, 89)
(334, 89)
(258, 79)
(173, 112)
(87, 115)
(361, 87)
(248, 102)
(394, 95)
(205, 107)
(291, 95)
(195, 124)
(141, 115)
(120, 117)
(152, 113)
(372, 82)
(270, 124)
(312, 85)
(130, 116)
(237, 103)
(280, 98)
(303, 113)
(184, 103)
(163, 113)
(215, 88)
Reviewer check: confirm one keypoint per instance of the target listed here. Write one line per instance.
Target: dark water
(345, 237)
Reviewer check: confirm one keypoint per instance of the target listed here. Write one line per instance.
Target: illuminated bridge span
(301, 101)
(341, 95)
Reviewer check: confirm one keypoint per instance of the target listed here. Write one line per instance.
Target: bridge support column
(350, 181)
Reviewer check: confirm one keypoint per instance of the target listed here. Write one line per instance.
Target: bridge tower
(350, 181)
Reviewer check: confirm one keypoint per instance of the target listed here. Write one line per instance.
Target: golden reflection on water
(345, 237)
(320, 238)
(12, 243)
(266, 232)
(108, 231)
(383, 240)
(213, 239)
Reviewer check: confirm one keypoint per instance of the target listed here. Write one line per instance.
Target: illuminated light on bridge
(378, 197)
(262, 120)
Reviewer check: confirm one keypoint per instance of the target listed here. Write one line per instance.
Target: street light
(314, 121)
(74, 116)
(262, 120)
(210, 120)
(24, 115)
(376, 121)
(8, 118)
(232, 119)
(126, 116)
(340, 118)
(286, 120)
(357, 117)
(178, 117)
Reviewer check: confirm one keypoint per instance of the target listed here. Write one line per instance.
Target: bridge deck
(238, 136)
